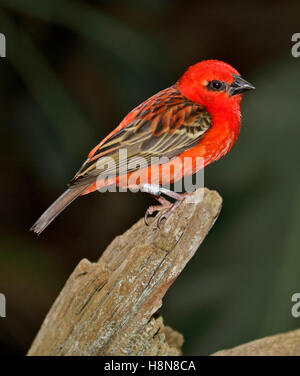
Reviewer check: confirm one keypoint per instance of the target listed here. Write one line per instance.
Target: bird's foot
(166, 207)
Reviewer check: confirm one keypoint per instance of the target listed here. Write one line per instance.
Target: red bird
(199, 116)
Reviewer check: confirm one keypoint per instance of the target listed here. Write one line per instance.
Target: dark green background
(73, 70)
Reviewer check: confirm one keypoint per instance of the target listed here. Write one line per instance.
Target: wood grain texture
(286, 344)
(110, 307)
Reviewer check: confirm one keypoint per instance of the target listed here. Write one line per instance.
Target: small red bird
(199, 116)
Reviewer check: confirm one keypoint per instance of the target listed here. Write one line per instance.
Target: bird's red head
(213, 83)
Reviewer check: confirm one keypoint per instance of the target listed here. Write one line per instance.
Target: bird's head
(213, 83)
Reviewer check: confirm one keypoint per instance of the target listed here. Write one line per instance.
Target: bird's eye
(215, 85)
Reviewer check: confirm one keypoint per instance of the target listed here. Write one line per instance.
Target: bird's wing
(165, 125)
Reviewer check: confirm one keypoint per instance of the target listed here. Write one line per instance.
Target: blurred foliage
(73, 70)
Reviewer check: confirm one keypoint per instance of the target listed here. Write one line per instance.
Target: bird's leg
(155, 191)
(175, 195)
(166, 207)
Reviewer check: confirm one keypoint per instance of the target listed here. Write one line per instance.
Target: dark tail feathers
(57, 207)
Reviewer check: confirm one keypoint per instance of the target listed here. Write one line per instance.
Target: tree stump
(110, 307)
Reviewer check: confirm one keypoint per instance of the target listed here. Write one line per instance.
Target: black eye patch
(216, 85)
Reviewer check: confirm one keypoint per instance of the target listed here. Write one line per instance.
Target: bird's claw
(166, 208)
(161, 217)
(156, 208)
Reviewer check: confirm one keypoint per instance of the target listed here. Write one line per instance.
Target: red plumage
(199, 116)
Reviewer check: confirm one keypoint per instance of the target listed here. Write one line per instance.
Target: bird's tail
(57, 207)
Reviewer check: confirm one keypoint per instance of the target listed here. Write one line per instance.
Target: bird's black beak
(239, 85)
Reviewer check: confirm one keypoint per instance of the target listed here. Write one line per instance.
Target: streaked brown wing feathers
(164, 126)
